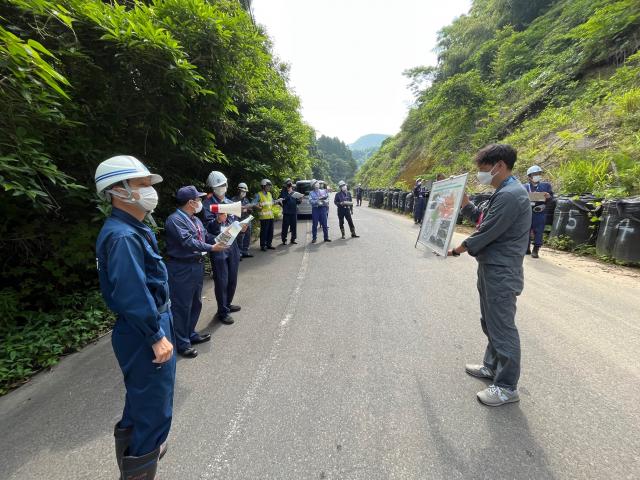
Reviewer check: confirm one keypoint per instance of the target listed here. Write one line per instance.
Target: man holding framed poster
(499, 245)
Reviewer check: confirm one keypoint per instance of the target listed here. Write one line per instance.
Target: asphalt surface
(347, 362)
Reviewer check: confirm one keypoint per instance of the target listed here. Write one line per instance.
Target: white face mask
(220, 191)
(536, 179)
(148, 200)
(343, 188)
(485, 178)
(243, 194)
(198, 207)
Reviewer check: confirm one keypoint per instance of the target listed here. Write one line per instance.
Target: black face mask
(289, 185)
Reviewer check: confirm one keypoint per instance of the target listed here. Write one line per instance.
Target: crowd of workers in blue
(158, 301)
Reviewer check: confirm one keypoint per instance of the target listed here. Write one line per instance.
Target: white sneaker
(479, 371)
(495, 396)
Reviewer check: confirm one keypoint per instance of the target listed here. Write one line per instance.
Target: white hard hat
(265, 181)
(313, 182)
(341, 183)
(121, 167)
(243, 186)
(534, 169)
(215, 179)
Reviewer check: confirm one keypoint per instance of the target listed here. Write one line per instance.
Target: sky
(347, 57)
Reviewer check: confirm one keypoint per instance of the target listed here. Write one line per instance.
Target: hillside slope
(560, 80)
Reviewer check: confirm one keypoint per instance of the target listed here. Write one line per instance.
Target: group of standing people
(157, 299)
(319, 200)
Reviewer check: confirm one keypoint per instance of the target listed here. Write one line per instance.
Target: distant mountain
(373, 140)
(366, 146)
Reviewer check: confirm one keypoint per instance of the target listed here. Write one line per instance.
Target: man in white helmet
(224, 264)
(538, 219)
(244, 239)
(134, 284)
(264, 205)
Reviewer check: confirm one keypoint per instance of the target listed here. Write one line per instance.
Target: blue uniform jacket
(541, 187)
(186, 236)
(315, 198)
(342, 197)
(289, 203)
(133, 277)
(212, 224)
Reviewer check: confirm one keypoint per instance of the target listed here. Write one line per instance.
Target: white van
(304, 207)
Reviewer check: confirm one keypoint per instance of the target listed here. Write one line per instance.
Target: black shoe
(247, 255)
(284, 242)
(534, 254)
(270, 247)
(226, 320)
(293, 242)
(327, 239)
(189, 353)
(234, 308)
(141, 468)
(353, 235)
(264, 249)
(313, 240)
(200, 338)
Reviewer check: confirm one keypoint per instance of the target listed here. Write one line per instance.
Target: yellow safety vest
(266, 210)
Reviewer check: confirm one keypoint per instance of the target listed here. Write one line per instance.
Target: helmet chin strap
(132, 201)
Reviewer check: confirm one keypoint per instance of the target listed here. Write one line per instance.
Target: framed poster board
(441, 213)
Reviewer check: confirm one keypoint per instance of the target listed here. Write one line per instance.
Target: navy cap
(187, 193)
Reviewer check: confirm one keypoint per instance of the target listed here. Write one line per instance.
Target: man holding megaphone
(219, 214)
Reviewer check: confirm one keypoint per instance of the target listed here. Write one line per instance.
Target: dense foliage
(332, 160)
(558, 79)
(187, 86)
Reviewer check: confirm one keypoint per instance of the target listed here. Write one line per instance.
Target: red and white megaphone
(232, 208)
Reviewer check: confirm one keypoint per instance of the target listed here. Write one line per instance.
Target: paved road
(346, 362)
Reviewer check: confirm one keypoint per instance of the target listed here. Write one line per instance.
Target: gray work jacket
(502, 237)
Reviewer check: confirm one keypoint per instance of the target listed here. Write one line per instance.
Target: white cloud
(347, 56)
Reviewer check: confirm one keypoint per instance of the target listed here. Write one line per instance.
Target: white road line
(215, 468)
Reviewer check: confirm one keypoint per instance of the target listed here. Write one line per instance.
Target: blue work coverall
(244, 238)
(538, 218)
(134, 284)
(319, 212)
(499, 245)
(289, 215)
(187, 240)
(225, 264)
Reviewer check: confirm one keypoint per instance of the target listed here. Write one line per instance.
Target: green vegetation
(366, 146)
(186, 86)
(560, 80)
(332, 160)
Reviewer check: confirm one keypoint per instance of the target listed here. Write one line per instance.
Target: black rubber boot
(122, 437)
(141, 468)
(342, 230)
(534, 254)
(353, 233)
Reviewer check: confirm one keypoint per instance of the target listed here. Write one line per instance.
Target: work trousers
(499, 287)
(225, 277)
(319, 215)
(244, 241)
(266, 233)
(418, 210)
(148, 406)
(342, 214)
(185, 287)
(538, 221)
(289, 222)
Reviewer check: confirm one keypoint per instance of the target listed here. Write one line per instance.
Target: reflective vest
(266, 210)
